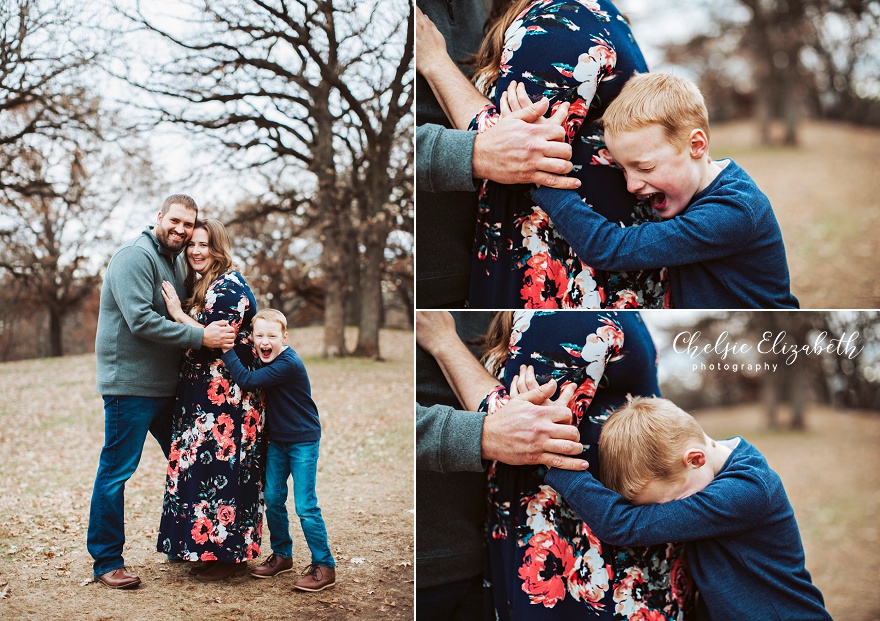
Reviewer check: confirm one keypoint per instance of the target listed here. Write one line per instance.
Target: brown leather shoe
(273, 566)
(316, 578)
(220, 571)
(119, 579)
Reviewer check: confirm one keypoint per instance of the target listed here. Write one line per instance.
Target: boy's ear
(284, 337)
(694, 458)
(698, 143)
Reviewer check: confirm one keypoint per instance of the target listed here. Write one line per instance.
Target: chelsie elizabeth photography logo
(725, 355)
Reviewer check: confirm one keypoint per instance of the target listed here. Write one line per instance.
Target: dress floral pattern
(213, 504)
(580, 51)
(544, 562)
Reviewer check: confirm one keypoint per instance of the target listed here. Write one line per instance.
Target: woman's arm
(459, 98)
(174, 307)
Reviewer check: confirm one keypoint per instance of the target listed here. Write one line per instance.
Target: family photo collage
(465, 310)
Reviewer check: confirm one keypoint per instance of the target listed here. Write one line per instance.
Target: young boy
(294, 432)
(719, 237)
(671, 482)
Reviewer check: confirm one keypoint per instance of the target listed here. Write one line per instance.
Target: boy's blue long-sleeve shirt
(291, 413)
(743, 544)
(724, 250)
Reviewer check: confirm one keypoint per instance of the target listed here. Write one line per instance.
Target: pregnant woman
(212, 511)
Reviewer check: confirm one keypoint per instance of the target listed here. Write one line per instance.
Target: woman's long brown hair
(487, 60)
(220, 248)
(496, 342)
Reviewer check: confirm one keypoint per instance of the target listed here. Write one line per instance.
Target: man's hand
(430, 44)
(218, 335)
(434, 329)
(519, 149)
(531, 429)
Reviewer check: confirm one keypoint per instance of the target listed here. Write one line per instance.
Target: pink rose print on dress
(202, 529)
(226, 515)
(547, 559)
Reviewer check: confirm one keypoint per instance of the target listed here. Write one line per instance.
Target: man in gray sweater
(139, 350)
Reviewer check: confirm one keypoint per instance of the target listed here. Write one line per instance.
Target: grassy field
(826, 196)
(52, 431)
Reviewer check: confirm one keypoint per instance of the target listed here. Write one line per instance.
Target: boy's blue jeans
(126, 423)
(301, 460)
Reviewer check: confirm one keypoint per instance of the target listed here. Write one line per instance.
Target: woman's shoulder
(231, 280)
(232, 277)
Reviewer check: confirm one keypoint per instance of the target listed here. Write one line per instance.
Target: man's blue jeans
(301, 460)
(126, 423)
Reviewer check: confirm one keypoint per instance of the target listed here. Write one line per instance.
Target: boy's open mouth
(658, 200)
(265, 351)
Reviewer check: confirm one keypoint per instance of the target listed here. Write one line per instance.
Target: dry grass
(831, 476)
(52, 424)
(826, 195)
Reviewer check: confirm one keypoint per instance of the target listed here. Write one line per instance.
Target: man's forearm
(459, 99)
(469, 380)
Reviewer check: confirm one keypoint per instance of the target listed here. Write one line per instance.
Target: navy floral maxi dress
(544, 562)
(580, 51)
(213, 508)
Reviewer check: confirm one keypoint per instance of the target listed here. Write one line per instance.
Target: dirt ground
(826, 196)
(831, 476)
(51, 432)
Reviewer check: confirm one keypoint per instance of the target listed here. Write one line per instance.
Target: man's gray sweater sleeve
(448, 440)
(135, 302)
(444, 159)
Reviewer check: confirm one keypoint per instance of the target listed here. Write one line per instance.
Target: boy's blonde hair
(644, 441)
(270, 314)
(674, 103)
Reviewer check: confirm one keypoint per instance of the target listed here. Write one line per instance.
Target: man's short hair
(674, 103)
(183, 199)
(270, 314)
(644, 441)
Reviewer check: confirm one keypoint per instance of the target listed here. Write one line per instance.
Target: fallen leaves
(45, 498)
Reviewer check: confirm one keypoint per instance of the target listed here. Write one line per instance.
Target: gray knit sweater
(451, 489)
(138, 347)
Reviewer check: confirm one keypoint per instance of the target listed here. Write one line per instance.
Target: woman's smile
(198, 252)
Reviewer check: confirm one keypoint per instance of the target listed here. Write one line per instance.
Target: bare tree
(783, 58)
(318, 92)
(50, 216)
(282, 256)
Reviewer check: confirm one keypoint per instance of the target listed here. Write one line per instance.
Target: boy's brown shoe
(316, 578)
(119, 579)
(273, 566)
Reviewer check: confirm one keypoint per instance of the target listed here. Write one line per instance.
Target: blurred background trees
(62, 172)
(774, 60)
(838, 379)
(293, 119)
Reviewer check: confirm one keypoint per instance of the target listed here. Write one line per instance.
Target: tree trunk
(55, 347)
(332, 260)
(771, 402)
(371, 293)
(353, 280)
